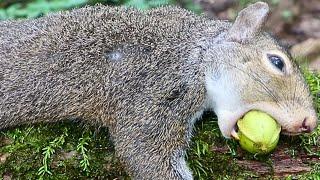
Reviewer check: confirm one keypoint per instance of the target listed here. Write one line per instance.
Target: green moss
(58, 151)
(204, 161)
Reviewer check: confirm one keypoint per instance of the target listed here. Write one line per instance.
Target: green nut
(258, 132)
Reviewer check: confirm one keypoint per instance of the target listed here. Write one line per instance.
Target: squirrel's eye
(276, 61)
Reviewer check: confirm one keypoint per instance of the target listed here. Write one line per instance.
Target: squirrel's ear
(249, 22)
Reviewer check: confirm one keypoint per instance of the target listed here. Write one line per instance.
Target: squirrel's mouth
(293, 121)
(234, 131)
(287, 133)
(227, 119)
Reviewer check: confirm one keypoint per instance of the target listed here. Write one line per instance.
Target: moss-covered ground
(71, 150)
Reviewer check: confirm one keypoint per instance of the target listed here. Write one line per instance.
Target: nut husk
(258, 132)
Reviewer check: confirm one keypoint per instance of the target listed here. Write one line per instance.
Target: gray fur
(142, 74)
(249, 22)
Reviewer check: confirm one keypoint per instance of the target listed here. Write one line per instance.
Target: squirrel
(148, 76)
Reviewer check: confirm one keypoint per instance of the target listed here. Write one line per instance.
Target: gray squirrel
(148, 76)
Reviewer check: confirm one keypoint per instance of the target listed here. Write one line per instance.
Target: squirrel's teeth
(234, 134)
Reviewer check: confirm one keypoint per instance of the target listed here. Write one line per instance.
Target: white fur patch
(183, 169)
(196, 117)
(180, 166)
(193, 120)
(114, 56)
(225, 101)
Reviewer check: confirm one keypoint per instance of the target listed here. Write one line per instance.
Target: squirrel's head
(251, 71)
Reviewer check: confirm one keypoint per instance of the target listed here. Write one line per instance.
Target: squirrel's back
(84, 62)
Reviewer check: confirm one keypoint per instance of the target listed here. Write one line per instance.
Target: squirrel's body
(143, 74)
(94, 63)
(90, 56)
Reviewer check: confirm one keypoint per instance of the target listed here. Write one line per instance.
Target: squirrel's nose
(308, 124)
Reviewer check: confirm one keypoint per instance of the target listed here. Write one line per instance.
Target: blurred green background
(13, 9)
